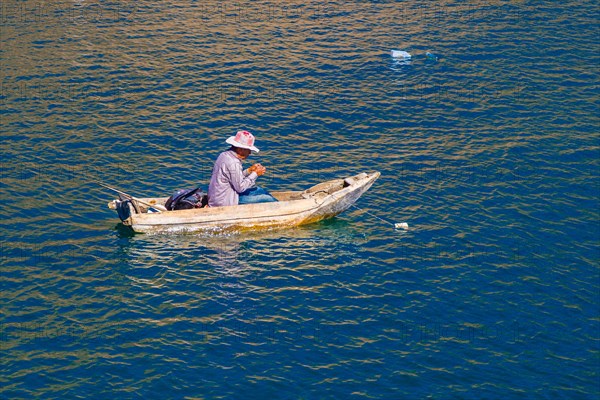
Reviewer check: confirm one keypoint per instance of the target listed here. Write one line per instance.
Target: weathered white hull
(321, 201)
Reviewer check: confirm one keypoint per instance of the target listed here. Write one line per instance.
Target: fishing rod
(158, 207)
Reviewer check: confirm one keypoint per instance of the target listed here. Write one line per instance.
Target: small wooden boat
(293, 208)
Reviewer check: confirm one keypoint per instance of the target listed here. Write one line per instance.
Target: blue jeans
(255, 195)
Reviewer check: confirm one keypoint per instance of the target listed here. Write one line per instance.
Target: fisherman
(230, 185)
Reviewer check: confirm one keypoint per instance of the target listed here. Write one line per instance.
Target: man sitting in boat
(230, 185)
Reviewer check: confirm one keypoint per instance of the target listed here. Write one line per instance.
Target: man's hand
(259, 169)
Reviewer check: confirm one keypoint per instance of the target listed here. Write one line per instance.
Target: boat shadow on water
(239, 251)
(123, 231)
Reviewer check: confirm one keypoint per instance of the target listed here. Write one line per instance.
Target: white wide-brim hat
(244, 140)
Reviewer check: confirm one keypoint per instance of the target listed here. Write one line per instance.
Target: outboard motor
(123, 208)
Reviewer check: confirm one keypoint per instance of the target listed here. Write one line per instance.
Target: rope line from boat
(397, 225)
(373, 215)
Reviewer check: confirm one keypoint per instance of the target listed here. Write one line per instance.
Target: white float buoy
(401, 225)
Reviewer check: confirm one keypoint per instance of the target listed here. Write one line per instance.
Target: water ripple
(490, 154)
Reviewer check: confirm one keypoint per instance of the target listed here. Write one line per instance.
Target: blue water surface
(490, 154)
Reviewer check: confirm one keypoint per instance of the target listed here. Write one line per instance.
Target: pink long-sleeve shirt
(228, 180)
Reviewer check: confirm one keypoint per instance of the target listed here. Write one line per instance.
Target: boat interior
(325, 188)
(321, 189)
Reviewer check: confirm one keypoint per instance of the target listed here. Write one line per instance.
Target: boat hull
(322, 201)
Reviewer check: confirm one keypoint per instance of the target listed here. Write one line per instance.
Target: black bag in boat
(186, 199)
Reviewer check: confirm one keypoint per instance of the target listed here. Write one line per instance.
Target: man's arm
(238, 180)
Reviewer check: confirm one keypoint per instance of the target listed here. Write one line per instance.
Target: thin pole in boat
(158, 207)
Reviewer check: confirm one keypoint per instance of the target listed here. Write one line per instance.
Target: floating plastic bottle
(401, 54)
